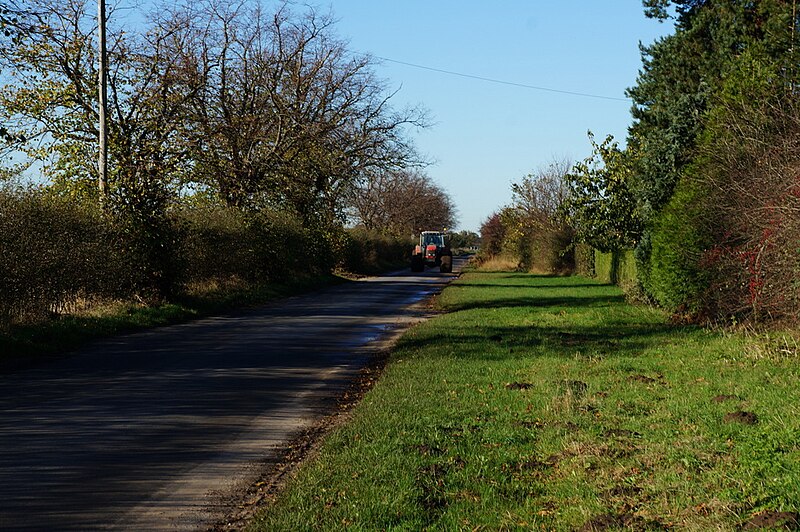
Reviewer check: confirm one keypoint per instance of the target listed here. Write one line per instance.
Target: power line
(502, 82)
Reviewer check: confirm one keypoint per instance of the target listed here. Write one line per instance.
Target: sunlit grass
(548, 402)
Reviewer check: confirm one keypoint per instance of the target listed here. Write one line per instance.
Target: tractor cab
(432, 250)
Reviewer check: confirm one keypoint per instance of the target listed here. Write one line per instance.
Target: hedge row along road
(163, 429)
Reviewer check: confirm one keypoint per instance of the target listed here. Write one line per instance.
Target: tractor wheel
(417, 263)
(447, 264)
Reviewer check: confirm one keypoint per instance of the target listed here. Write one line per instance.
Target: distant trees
(464, 239)
(493, 232)
(535, 228)
(402, 203)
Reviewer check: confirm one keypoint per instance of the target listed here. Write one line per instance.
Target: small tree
(536, 223)
(493, 233)
(601, 206)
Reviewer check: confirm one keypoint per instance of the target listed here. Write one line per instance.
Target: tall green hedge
(679, 237)
(616, 267)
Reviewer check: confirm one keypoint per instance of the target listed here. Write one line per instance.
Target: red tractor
(432, 250)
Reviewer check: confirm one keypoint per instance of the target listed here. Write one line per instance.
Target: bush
(751, 171)
(584, 259)
(367, 252)
(56, 255)
(548, 251)
(616, 267)
(52, 254)
(678, 241)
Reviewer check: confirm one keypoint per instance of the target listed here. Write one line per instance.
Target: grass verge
(549, 403)
(23, 345)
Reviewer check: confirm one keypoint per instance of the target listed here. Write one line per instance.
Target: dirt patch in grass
(529, 424)
(745, 418)
(518, 385)
(773, 520)
(644, 379)
(428, 450)
(532, 465)
(433, 497)
(621, 521)
(621, 433)
(623, 491)
(725, 397)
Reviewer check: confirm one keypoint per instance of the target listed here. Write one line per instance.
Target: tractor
(432, 250)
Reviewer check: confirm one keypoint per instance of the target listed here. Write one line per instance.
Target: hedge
(57, 256)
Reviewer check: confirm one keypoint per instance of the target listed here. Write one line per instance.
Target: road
(158, 430)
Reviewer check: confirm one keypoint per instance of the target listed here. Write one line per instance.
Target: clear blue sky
(486, 136)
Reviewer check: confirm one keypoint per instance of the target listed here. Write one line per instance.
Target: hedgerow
(58, 256)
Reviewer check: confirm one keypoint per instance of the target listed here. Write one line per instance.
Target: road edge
(304, 444)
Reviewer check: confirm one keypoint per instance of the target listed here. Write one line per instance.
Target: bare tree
(287, 115)
(536, 224)
(402, 203)
(541, 196)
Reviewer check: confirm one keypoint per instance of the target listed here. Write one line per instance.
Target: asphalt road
(157, 430)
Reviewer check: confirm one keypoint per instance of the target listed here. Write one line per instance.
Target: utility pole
(102, 162)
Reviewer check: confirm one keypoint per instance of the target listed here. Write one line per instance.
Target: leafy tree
(601, 206)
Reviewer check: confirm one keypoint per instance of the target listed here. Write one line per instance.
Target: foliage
(697, 157)
(370, 252)
(284, 113)
(58, 257)
(680, 237)
(616, 267)
(53, 256)
(584, 259)
(601, 206)
(752, 258)
(493, 232)
(401, 203)
(536, 230)
(464, 239)
(540, 403)
(265, 111)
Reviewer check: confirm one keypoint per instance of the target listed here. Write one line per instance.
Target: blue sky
(484, 135)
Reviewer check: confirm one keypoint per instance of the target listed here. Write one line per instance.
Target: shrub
(678, 241)
(369, 252)
(548, 250)
(616, 267)
(52, 253)
(584, 259)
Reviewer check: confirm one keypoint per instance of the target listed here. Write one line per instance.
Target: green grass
(22, 344)
(545, 402)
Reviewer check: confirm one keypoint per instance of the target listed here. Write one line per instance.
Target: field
(550, 403)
